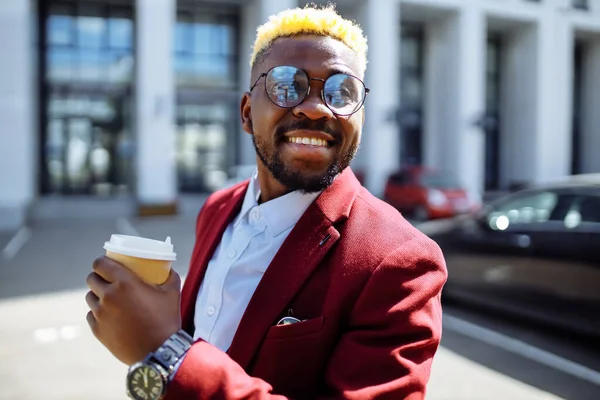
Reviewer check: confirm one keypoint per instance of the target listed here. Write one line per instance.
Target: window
(205, 47)
(529, 208)
(584, 211)
(86, 99)
(89, 43)
(412, 92)
(206, 61)
(203, 151)
(566, 208)
(491, 122)
(439, 180)
(589, 207)
(401, 178)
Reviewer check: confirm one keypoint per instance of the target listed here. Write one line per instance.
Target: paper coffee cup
(150, 259)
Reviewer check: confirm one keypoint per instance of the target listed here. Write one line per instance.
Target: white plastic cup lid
(140, 247)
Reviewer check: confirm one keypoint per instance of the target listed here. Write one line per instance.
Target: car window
(531, 208)
(438, 180)
(400, 178)
(585, 210)
(590, 209)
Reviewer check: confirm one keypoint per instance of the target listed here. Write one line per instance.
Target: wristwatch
(148, 379)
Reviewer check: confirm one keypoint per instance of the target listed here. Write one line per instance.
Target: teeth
(308, 141)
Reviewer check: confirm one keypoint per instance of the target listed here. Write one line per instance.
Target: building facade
(138, 100)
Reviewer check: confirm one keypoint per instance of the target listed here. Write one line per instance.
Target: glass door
(206, 144)
(88, 148)
(86, 94)
(205, 53)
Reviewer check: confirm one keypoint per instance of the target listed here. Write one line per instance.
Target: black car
(534, 253)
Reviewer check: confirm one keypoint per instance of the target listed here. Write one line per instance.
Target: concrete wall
(455, 94)
(537, 87)
(440, 86)
(518, 117)
(154, 123)
(18, 83)
(380, 142)
(468, 151)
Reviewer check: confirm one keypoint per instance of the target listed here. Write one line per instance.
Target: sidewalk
(48, 352)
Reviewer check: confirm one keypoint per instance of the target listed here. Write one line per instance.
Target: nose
(313, 106)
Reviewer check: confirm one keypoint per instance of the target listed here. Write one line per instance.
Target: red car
(425, 194)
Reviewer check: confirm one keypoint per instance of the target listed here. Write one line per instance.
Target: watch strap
(172, 351)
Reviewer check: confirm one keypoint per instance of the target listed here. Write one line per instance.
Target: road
(47, 351)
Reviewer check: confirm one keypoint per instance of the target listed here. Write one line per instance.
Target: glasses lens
(286, 86)
(344, 94)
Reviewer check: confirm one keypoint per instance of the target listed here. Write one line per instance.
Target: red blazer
(364, 282)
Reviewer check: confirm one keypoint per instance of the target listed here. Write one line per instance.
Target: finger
(93, 302)
(173, 281)
(97, 284)
(109, 270)
(93, 324)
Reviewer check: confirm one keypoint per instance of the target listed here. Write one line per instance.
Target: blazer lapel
(206, 243)
(310, 240)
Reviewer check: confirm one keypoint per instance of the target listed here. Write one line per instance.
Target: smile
(313, 142)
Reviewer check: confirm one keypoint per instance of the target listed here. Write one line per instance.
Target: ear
(246, 113)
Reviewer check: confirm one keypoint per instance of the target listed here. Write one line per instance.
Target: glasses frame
(322, 91)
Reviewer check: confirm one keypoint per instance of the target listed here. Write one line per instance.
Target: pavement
(47, 351)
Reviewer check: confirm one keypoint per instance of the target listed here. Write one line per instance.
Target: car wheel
(420, 214)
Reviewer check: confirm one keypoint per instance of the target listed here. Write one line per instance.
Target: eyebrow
(335, 71)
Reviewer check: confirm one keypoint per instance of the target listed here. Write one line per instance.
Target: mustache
(307, 125)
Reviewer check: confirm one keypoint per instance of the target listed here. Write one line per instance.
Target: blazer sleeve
(385, 353)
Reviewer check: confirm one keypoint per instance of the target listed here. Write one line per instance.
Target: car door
(414, 193)
(494, 259)
(397, 190)
(569, 264)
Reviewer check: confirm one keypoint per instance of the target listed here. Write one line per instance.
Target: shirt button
(232, 254)
(210, 310)
(255, 214)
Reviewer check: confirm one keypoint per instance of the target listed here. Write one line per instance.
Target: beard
(298, 180)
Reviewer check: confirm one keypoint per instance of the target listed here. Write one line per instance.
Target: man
(302, 284)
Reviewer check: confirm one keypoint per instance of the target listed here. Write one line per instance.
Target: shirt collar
(279, 214)
(250, 199)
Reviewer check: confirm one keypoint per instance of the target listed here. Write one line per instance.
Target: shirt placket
(241, 238)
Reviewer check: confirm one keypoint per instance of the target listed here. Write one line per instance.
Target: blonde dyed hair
(310, 20)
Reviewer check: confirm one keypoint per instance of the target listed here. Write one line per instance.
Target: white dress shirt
(247, 247)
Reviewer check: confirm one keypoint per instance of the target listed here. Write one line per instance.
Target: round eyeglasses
(288, 86)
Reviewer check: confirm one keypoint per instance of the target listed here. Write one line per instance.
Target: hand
(130, 317)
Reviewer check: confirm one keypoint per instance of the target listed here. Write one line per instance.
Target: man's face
(275, 131)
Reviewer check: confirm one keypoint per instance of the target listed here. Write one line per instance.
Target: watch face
(146, 383)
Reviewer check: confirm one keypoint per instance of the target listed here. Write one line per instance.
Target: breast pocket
(292, 357)
(307, 327)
